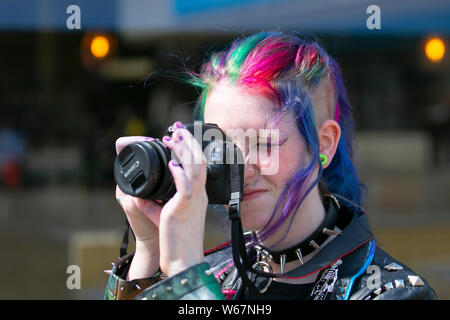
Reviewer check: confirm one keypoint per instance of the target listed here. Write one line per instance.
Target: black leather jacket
(350, 267)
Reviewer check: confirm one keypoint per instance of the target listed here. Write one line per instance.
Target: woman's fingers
(183, 217)
(190, 155)
(182, 183)
(132, 205)
(135, 206)
(124, 141)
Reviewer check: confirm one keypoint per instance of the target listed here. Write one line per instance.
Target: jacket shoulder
(389, 279)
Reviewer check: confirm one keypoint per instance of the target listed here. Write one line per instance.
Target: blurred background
(72, 81)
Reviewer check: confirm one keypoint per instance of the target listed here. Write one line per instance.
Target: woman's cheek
(288, 164)
(269, 161)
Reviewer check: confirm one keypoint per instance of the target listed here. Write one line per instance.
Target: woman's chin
(254, 219)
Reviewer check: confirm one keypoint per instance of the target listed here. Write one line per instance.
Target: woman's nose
(250, 170)
(250, 162)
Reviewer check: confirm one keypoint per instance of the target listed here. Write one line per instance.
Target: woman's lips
(252, 194)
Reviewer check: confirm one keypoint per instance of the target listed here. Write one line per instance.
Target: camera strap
(125, 239)
(240, 257)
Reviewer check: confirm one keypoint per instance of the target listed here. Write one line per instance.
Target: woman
(308, 227)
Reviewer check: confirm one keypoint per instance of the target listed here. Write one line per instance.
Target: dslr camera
(141, 168)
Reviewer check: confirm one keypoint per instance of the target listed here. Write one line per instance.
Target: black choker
(313, 242)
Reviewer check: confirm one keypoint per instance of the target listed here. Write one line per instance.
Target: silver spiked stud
(299, 255)
(399, 283)
(154, 296)
(169, 289)
(378, 291)
(335, 201)
(331, 232)
(388, 286)
(313, 244)
(393, 267)
(107, 271)
(183, 282)
(415, 281)
(137, 287)
(282, 262)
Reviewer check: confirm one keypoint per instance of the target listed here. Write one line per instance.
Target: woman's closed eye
(265, 147)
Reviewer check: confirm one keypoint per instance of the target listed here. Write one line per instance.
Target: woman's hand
(143, 216)
(182, 219)
(171, 235)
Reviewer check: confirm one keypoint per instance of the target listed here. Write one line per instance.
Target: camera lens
(141, 170)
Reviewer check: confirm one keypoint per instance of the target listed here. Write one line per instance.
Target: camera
(141, 168)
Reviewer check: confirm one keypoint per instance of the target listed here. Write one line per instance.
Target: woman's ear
(329, 134)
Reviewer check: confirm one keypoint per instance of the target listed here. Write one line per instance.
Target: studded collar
(311, 243)
(354, 235)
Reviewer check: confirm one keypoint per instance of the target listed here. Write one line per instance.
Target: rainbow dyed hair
(288, 69)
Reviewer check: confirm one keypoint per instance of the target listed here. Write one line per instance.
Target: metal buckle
(262, 262)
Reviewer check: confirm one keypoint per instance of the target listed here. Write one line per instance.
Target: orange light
(435, 49)
(100, 47)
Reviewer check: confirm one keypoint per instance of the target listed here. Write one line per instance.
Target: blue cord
(363, 268)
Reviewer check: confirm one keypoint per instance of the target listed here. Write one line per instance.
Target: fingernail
(174, 163)
(179, 125)
(167, 138)
(151, 139)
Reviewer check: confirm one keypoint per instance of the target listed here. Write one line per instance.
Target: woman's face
(232, 107)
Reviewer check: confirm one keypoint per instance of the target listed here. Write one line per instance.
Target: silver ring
(263, 264)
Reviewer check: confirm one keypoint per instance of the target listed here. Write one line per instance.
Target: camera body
(141, 168)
